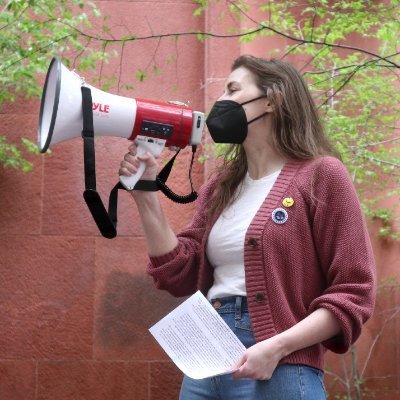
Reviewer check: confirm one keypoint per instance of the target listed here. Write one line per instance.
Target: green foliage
(202, 6)
(141, 75)
(31, 32)
(11, 156)
(355, 88)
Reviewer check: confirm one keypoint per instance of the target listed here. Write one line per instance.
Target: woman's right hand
(130, 164)
(159, 236)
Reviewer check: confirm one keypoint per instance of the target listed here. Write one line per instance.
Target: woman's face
(241, 87)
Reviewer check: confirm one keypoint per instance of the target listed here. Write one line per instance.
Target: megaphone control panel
(170, 121)
(157, 129)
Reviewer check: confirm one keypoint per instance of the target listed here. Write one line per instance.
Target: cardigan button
(252, 242)
(217, 304)
(260, 297)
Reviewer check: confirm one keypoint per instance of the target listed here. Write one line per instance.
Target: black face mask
(227, 121)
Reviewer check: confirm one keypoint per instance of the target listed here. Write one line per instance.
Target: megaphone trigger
(144, 144)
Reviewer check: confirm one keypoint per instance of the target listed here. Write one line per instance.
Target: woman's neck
(262, 157)
(263, 161)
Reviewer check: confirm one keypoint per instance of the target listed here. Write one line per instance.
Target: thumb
(241, 361)
(148, 159)
(151, 164)
(237, 368)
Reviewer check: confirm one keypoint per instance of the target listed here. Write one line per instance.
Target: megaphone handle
(129, 182)
(144, 144)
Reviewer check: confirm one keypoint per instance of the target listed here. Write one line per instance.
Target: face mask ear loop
(257, 98)
(256, 118)
(249, 101)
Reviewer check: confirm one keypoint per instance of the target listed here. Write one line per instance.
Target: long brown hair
(297, 134)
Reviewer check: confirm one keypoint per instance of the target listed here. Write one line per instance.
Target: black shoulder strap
(105, 223)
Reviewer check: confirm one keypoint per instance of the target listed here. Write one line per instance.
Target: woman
(278, 242)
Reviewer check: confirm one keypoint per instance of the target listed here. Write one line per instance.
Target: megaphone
(152, 124)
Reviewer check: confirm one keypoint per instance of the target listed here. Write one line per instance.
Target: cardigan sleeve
(344, 249)
(178, 271)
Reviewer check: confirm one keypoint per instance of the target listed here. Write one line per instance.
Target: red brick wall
(75, 308)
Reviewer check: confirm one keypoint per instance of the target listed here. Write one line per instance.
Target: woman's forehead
(241, 75)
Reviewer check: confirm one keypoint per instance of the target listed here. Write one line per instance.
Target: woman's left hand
(260, 360)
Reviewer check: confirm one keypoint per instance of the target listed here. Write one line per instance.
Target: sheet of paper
(197, 339)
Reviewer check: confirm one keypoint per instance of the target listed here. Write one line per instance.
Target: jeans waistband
(232, 304)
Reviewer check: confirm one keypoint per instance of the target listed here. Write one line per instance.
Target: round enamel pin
(279, 215)
(288, 201)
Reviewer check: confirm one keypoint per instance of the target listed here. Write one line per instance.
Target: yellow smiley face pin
(288, 201)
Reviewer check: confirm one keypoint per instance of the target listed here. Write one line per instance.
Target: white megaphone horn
(153, 125)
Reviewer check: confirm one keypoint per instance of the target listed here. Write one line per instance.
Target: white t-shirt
(225, 245)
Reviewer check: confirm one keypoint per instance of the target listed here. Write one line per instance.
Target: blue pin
(279, 216)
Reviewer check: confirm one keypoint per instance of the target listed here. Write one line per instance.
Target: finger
(130, 158)
(132, 149)
(244, 373)
(124, 172)
(130, 168)
(148, 158)
(241, 361)
(240, 373)
(238, 367)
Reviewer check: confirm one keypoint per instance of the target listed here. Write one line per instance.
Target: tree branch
(312, 41)
(3, 68)
(376, 143)
(377, 337)
(261, 28)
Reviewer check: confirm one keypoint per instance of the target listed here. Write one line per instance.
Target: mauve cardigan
(320, 257)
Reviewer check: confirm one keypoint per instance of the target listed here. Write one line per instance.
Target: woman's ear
(268, 106)
(269, 99)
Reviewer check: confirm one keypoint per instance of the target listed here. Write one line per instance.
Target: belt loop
(238, 308)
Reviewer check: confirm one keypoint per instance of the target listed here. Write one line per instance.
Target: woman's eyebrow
(230, 84)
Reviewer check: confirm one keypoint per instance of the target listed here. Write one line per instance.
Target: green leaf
(141, 75)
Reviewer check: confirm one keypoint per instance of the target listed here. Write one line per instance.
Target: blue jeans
(288, 382)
